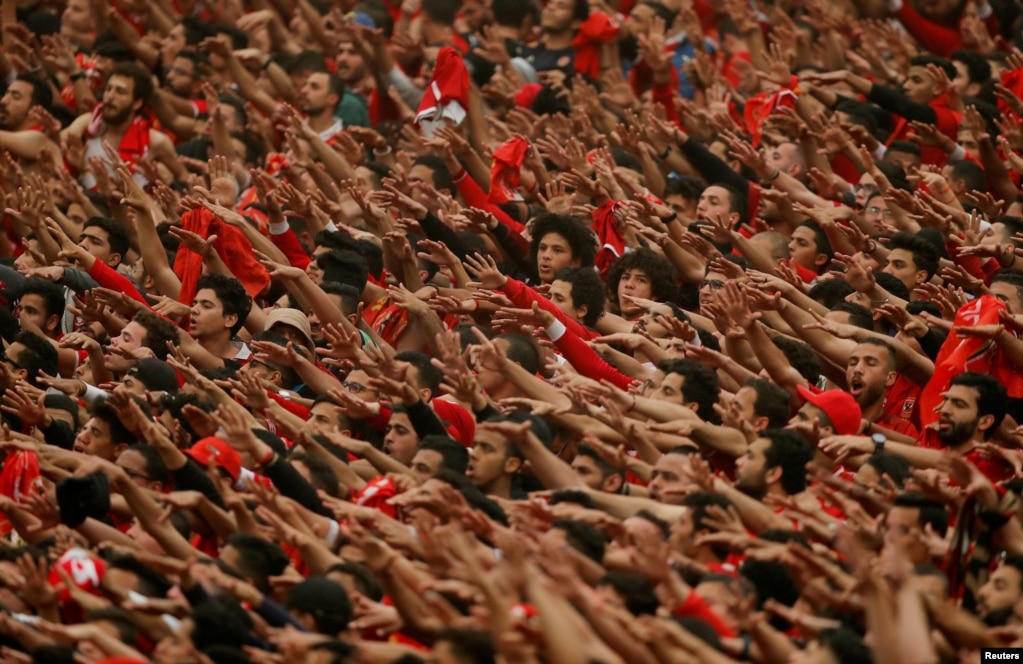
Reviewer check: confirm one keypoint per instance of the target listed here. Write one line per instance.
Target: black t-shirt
(544, 59)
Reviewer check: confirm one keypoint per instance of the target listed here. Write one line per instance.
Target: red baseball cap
(840, 407)
(224, 455)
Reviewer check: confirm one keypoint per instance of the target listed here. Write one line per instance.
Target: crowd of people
(474, 331)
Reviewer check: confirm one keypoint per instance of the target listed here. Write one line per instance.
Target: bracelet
(884, 301)
(266, 63)
(772, 178)
(668, 220)
(664, 155)
(633, 406)
(871, 247)
(77, 76)
(382, 153)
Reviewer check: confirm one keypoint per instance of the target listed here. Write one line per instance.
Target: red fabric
(108, 277)
(232, 246)
(898, 425)
(135, 142)
(19, 474)
(760, 107)
(594, 32)
(900, 400)
(961, 354)
(948, 122)
(291, 248)
(523, 297)
(1014, 81)
(474, 196)
(459, 422)
(731, 72)
(695, 607)
(588, 363)
(940, 40)
(524, 97)
(450, 83)
(376, 493)
(612, 242)
(387, 319)
(295, 409)
(806, 274)
(505, 173)
(993, 467)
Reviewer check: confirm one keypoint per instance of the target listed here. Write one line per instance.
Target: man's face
(357, 383)
(492, 378)
(132, 337)
(634, 283)
(488, 459)
(1009, 295)
(868, 374)
(803, 248)
(96, 240)
(712, 283)
(919, 85)
(746, 399)
(670, 389)
(904, 160)
(400, 439)
(962, 79)
(588, 471)
(323, 417)
(119, 102)
(207, 316)
(751, 469)
(33, 309)
(639, 19)
(957, 415)
(786, 157)
(315, 96)
(650, 321)
(902, 266)
(135, 466)
(426, 463)
(553, 252)
(12, 369)
(77, 17)
(15, 105)
(561, 295)
(181, 78)
(902, 530)
(1002, 591)
(557, 16)
(715, 202)
(94, 440)
(668, 481)
(172, 44)
(350, 66)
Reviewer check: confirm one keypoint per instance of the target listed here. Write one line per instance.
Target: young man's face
(96, 241)
(208, 317)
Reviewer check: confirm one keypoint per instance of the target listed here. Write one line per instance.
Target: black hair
(289, 377)
(662, 526)
(894, 466)
(143, 79)
(580, 237)
(477, 499)
(1009, 276)
(606, 469)
(925, 256)
(442, 12)
(587, 290)
(333, 618)
(789, 451)
(156, 468)
(345, 267)
(574, 497)
(580, 10)
(859, 315)
(511, 13)
(117, 235)
(454, 455)
(430, 377)
(349, 295)
(521, 352)
(970, 172)
(686, 186)
(881, 342)
(978, 69)
(119, 434)
(909, 147)
(830, 292)
(217, 625)
(469, 645)
(51, 294)
(924, 60)
(698, 502)
(380, 171)
(772, 402)
(992, 398)
(932, 512)
(699, 386)
(160, 332)
(321, 474)
(637, 592)
(801, 356)
(364, 580)
(736, 200)
(441, 175)
(892, 284)
(42, 95)
(234, 299)
(661, 274)
(37, 355)
(823, 244)
(258, 559)
(175, 403)
(151, 582)
(583, 537)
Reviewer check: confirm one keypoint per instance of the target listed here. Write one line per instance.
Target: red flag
(447, 95)
(594, 32)
(761, 106)
(612, 242)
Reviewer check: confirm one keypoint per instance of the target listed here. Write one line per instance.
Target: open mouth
(856, 387)
(470, 470)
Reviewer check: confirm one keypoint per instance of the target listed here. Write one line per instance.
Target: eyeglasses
(713, 284)
(4, 357)
(873, 209)
(354, 387)
(136, 475)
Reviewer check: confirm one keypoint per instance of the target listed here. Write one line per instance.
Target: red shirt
(900, 401)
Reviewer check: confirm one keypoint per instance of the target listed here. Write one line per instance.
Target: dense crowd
(474, 331)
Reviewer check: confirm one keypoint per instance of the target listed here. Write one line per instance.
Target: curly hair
(663, 278)
(580, 237)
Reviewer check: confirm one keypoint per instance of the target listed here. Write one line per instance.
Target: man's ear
(890, 379)
(114, 260)
(230, 321)
(773, 475)
(52, 322)
(821, 259)
(512, 465)
(984, 423)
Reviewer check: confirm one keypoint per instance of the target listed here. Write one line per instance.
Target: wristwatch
(879, 440)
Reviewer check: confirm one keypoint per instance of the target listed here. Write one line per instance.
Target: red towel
(135, 142)
(761, 106)
(232, 246)
(612, 242)
(594, 32)
(447, 95)
(504, 174)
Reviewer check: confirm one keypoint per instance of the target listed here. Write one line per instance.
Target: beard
(114, 116)
(959, 433)
(754, 487)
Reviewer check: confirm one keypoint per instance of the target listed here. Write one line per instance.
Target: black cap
(156, 375)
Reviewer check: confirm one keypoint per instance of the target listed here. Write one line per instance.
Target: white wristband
(333, 530)
(280, 228)
(556, 330)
